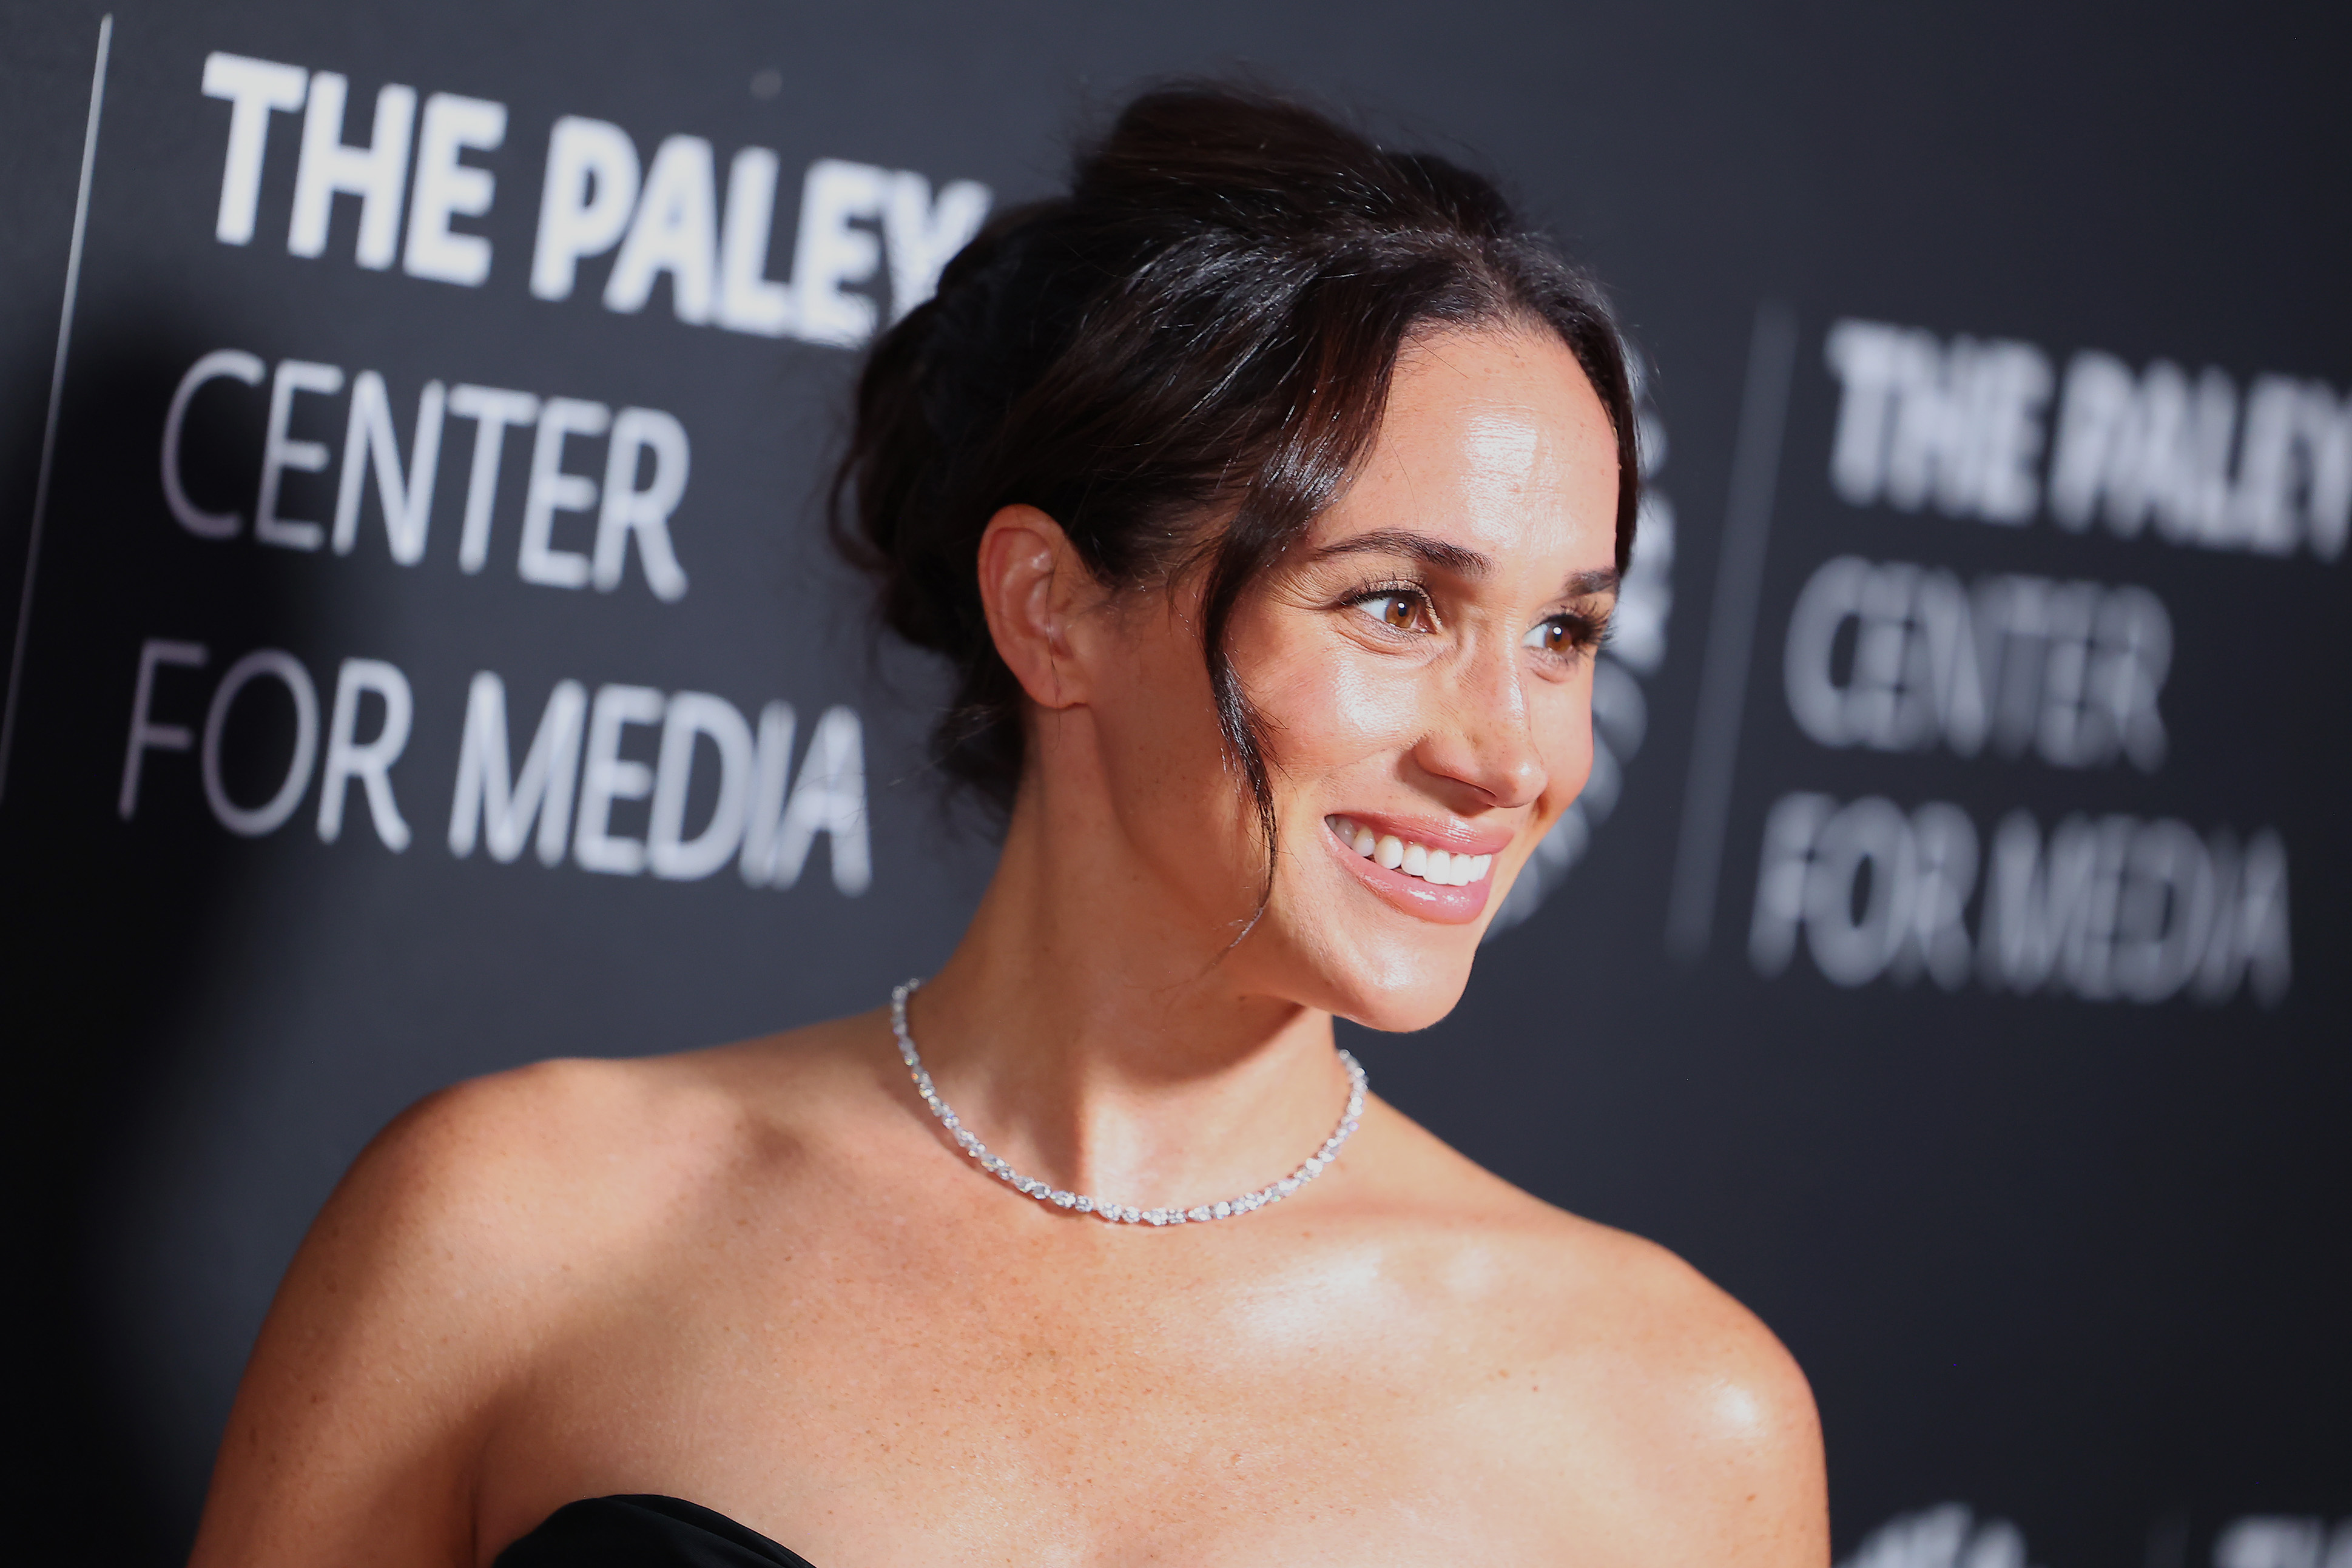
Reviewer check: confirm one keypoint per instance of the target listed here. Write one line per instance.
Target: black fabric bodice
(645, 1532)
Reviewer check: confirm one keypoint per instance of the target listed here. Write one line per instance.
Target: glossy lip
(1439, 905)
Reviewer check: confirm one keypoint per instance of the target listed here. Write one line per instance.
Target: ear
(1034, 590)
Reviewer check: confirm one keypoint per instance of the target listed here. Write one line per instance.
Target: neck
(1097, 1036)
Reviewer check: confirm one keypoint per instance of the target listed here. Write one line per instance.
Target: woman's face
(1422, 670)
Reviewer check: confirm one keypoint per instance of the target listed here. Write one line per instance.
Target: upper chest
(1004, 1321)
(1065, 1391)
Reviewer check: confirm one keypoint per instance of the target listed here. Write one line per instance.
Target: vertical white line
(56, 393)
(1731, 630)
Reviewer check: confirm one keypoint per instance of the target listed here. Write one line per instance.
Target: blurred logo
(2264, 1541)
(1947, 1536)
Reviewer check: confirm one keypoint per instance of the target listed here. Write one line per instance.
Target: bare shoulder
(1652, 1370)
(563, 1158)
(487, 1222)
(576, 1159)
(599, 1143)
(1713, 1412)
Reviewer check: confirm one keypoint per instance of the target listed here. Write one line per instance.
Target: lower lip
(1422, 900)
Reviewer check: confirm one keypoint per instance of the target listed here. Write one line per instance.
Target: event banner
(426, 658)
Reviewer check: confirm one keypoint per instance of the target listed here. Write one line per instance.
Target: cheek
(1158, 723)
(1163, 767)
(1330, 710)
(1327, 703)
(1563, 732)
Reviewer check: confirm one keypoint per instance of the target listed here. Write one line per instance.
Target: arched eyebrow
(1442, 554)
(1459, 560)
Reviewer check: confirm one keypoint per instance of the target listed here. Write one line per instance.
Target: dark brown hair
(1205, 328)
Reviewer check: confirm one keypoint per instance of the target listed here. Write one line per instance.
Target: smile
(1438, 867)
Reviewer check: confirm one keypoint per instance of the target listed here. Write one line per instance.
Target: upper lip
(1435, 832)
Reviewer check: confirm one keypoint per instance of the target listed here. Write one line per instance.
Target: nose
(1483, 738)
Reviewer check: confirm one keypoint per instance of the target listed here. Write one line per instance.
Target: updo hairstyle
(1179, 362)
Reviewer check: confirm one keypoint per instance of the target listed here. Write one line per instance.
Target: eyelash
(1412, 590)
(1587, 634)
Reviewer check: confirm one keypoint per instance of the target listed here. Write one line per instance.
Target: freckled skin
(761, 1277)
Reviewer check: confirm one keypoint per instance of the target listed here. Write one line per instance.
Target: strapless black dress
(644, 1533)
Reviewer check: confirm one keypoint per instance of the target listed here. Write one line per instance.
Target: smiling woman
(1267, 493)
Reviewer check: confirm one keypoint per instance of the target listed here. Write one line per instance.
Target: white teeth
(1439, 868)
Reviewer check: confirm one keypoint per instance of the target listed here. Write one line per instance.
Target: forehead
(1493, 439)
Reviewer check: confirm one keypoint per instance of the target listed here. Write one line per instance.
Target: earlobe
(1031, 585)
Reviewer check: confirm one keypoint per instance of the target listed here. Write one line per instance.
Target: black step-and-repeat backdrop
(410, 441)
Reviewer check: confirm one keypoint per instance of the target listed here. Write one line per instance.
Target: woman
(1268, 494)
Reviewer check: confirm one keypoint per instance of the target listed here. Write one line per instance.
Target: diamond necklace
(1118, 1213)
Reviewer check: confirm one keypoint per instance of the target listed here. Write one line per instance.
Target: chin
(1405, 1011)
(1393, 981)
(1367, 955)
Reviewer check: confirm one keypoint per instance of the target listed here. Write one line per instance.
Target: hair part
(1181, 362)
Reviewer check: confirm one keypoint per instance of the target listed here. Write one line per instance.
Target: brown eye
(1554, 634)
(1397, 612)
